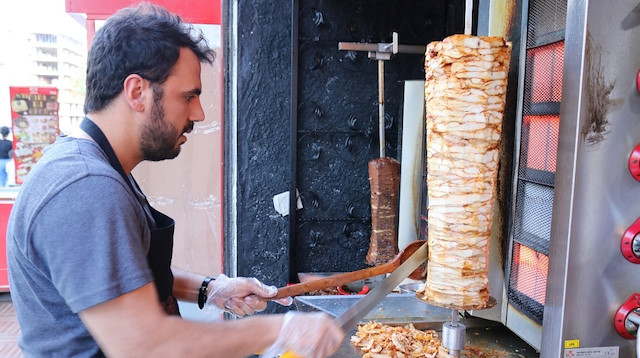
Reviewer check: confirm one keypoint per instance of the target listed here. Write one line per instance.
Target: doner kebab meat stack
(384, 179)
(465, 90)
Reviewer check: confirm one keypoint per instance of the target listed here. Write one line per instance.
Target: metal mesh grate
(528, 283)
(539, 148)
(547, 21)
(538, 156)
(541, 108)
(534, 204)
(543, 79)
(539, 145)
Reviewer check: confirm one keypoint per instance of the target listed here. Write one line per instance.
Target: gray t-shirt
(76, 237)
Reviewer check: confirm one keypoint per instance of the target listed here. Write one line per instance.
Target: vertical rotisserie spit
(384, 173)
(465, 90)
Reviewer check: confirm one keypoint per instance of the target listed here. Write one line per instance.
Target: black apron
(161, 247)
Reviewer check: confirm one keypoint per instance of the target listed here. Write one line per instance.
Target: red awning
(194, 11)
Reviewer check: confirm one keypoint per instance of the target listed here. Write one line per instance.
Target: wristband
(202, 292)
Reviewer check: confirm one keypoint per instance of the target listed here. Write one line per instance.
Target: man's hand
(241, 295)
(309, 335)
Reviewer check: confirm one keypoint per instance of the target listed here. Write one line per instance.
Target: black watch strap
(202, 292)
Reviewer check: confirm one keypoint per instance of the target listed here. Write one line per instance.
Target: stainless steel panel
(395, 308)
(596, 198)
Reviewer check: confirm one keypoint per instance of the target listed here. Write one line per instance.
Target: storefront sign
(34, 118)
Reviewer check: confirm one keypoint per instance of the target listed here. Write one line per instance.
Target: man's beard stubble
(159, 137)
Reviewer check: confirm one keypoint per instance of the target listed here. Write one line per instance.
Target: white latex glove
(242, 296)
(308, 335)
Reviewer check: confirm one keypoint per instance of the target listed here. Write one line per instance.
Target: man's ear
(134, 91)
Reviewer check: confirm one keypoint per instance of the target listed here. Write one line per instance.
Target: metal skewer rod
(468, 17)
(453, 333)
(454, 318)
(381, 125)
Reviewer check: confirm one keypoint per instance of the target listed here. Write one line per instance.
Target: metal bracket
(381, 52)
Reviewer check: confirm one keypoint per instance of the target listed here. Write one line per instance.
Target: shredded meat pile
(378, 340)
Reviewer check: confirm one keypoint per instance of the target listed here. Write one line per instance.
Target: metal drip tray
(485, 338)
(401, 308)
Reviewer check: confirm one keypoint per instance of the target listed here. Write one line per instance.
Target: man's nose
(197, 113)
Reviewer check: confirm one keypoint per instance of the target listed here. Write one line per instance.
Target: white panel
(412, 159)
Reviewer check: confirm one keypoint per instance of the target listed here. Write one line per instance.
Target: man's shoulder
(70, 159)
(79, 164)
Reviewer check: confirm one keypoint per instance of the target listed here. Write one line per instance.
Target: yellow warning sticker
(572, 343)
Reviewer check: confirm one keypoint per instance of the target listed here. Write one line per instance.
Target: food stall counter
(7, 198)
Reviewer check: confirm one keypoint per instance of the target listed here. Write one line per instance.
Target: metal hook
(317, 110)
(351, 121)
(315, 200)
(388, 121)
(318, 61)
(314, 238)
(317, 150)
(348, 142)
(318, 18)
(351, 55)
(349, 208)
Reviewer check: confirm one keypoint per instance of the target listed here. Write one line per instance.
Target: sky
(30, 12)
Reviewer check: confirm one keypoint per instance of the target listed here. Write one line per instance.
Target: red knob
(620, 319)
(626, 244)
(634, 161)
(638, 81)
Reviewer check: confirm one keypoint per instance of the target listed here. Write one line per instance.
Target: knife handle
(335, 280)
(287, 354)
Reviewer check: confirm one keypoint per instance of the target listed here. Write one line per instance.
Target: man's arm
(186, 284)
(134, 325)
(240, 296)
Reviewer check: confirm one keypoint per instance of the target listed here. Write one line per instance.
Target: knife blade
(350, 318)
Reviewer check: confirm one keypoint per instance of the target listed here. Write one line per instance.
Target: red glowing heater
(536, 178)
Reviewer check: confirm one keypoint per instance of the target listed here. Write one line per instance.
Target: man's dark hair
(144, 40)
(4, 131)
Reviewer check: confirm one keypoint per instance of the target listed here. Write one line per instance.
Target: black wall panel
(336, 123)
(263, 137)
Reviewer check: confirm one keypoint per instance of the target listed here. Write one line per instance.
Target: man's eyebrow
(195, 91)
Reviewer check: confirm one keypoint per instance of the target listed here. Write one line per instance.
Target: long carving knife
(350, 318)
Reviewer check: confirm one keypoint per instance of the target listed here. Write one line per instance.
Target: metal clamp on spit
(381, 52)
(453, 335)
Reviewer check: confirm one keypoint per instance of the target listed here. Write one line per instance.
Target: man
(89, 259)
(6, 152)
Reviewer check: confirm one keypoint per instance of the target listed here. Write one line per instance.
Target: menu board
(34, 117)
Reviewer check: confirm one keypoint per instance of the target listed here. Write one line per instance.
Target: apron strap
(161, 226)
(98, 136)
